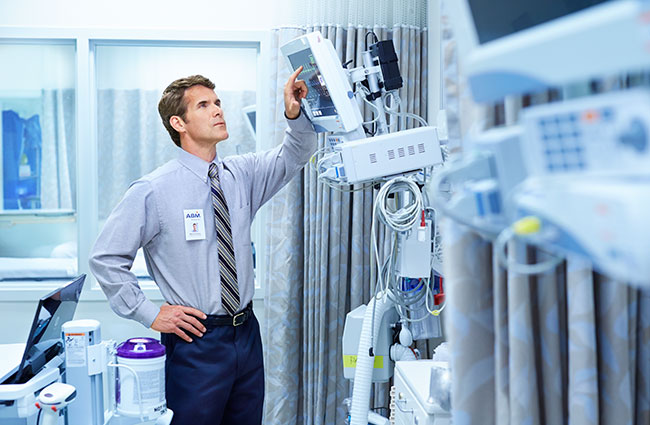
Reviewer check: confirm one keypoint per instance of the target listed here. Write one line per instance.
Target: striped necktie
(229, 289)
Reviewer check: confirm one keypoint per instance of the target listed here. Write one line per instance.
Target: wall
(191, 14)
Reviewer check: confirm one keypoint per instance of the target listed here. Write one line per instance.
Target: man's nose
(217, 111)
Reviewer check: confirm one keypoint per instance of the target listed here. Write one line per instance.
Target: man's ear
(177, 123)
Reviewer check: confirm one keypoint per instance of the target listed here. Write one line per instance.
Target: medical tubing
(339, 186)
(437, 311)
(365, 91)
(314, 159)
(402, 301)
(398, 352)
(381, 292)
(137, 384)
(365, 362)
(526, 269)
(415, 117)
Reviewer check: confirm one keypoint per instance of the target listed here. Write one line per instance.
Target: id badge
(194, 225)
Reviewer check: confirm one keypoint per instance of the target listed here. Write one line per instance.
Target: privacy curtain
(567, 347)
(58, 166)
(318, 239)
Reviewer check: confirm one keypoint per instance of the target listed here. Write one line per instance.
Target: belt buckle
(235, 321)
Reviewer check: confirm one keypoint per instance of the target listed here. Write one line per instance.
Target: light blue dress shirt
(151, 216)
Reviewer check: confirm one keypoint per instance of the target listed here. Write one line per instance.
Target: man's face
(204, 121)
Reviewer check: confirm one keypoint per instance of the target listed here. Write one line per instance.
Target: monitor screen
(44, 341)
(319, 99)
(251, 119)
(499, 18)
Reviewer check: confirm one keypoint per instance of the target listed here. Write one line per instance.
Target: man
(214, 370)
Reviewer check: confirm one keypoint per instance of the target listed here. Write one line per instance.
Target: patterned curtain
(567, 347)
(319, 244)
(58, 170)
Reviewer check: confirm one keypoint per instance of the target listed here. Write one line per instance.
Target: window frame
(85, 41)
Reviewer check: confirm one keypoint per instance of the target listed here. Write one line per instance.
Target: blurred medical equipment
(52, 401)
(571, 177)
(59, 348)
(529, 46)
(408, 295)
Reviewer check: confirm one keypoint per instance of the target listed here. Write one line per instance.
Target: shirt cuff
(300, 123)
(293, 119)
(146, 313)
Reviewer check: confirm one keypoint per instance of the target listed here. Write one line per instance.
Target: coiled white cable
(399, 220)
(402, 219)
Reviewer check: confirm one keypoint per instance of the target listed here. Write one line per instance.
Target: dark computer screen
(319, 100)
(44, 341)
(251, 118)
(499, 18)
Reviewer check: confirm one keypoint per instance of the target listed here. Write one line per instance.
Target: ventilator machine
(398, 160)
(570, 177)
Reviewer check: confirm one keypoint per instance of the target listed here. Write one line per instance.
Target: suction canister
(140, 386)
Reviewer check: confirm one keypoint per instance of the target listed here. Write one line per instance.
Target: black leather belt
(226, 320)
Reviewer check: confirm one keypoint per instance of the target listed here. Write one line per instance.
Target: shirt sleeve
(269, 171)
(133, 223)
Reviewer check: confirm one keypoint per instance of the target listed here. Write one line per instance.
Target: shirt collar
(195, 164)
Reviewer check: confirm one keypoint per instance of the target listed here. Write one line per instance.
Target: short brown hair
(173, 102)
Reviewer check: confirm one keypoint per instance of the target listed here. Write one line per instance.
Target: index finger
(292, 78)
(193, 312)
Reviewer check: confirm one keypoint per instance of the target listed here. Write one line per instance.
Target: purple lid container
(140, 348)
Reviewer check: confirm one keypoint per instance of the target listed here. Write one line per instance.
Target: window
(38, 228)
(100, 88)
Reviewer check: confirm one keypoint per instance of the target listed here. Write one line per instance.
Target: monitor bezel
(18, 376)
(543, 56)
(348, 117)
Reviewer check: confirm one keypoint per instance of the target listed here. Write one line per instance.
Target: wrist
(286, 115)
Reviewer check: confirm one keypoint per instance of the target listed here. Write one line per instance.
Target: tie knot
(212, 171)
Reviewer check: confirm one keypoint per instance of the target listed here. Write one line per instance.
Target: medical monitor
(500, 18)
(330, 102)
(250, 118)
(44, 341)
(524, 46)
